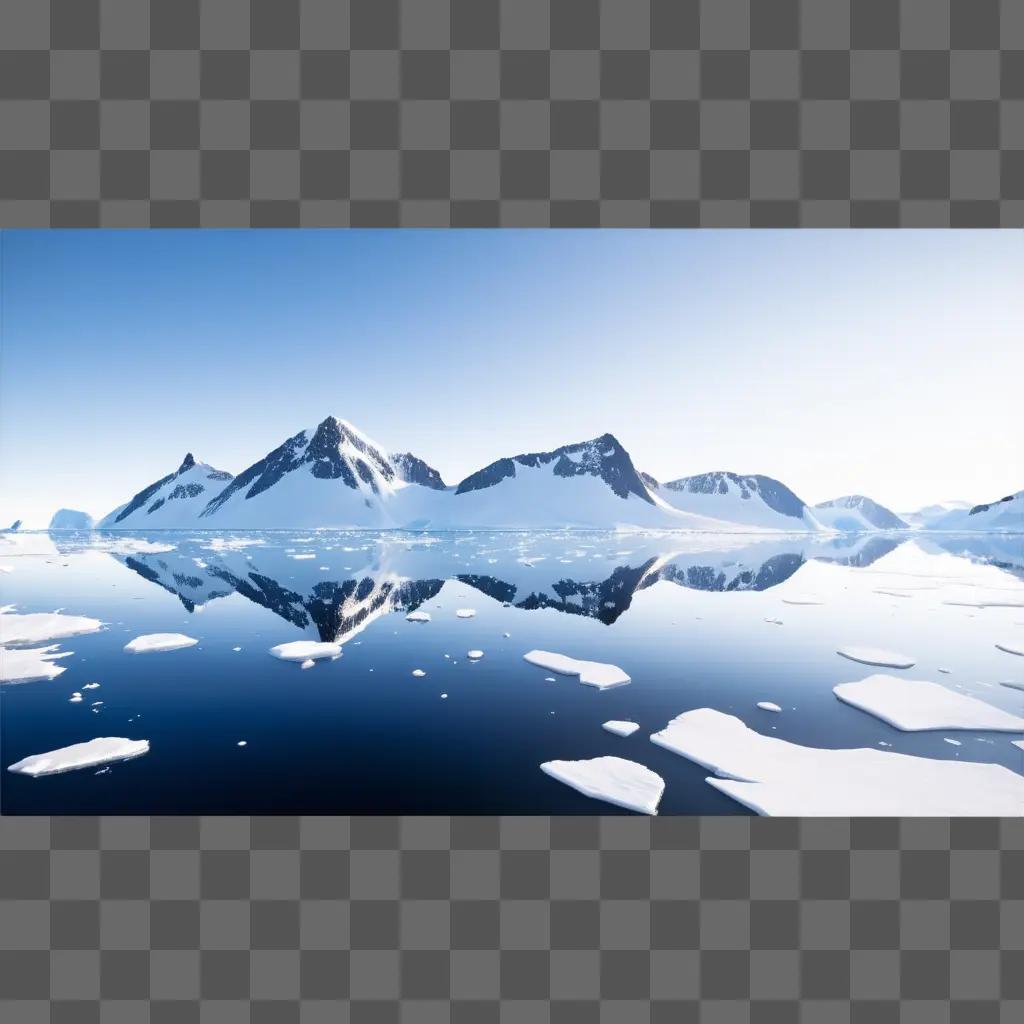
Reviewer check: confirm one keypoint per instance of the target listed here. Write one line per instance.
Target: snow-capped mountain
(754, 500)
(171, 502)
(854, 514)
(929, 513)
(71, 519)
(590, 483)
(330, 475)
(1003, 515)
(412, 470)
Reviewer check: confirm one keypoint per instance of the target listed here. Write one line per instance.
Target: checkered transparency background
(512, 112)
(519, 113)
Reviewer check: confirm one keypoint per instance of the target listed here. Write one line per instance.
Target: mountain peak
(186, 463)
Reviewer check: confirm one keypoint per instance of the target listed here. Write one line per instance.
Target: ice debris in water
(612, 779)
(767, 705)
(418, 617)
(80, 755)
(621, 728)
(152, 642)
(418, 672)
(305, 650)
(876, 656)
(591, 673)
(465, 613)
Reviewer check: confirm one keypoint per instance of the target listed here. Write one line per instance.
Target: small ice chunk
(26, 665)
(767, 705)
(591, 673)
(302, 555)
(955, 743)
(1019, 744)
(75, 698)
(418, 617)
(444, 696)
(613, 779)
(80, 755)
(621, 728)
(465, 613)
(944, 671)
(305, 650)
(236, 648)
(876, 656)
(914, 704)
(802, 599)
(506, 635)
(152, 642)
(474, 655)
(242, 743)
(308, 663)
(418, 673)
(774, 622)
(91, 686)
(1015, 648)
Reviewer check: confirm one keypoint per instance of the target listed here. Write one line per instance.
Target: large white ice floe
(305, 650)
(774, 777)
(465, 613)
(30, 664)
(418, 617)
(621, 728)
(591, 673)
(876, 656)
(1017, 648)
(613, 779)
(914, 704)
(150, 643)
(37, 627)
(80, 755)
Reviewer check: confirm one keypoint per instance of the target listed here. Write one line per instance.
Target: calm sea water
(684, 616)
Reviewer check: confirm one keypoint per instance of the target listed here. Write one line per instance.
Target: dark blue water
(685, 617)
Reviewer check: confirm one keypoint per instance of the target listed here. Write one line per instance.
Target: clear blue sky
(885, 362)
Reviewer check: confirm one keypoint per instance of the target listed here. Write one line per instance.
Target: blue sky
(884, 362)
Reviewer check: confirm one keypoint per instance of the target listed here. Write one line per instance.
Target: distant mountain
(855, 514)
(171, 502)
(1003, 515)
(412, 470)
(754, 500)
(71, 519)
(590, 483)
(13, 528)
(929, 513)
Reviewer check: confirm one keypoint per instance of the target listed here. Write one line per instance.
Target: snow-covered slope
(754, 500)
(173, 501)
(71, 519)
(855, 514)
(1005, 515)
(328, 476)
(590, 483)
(923, 517)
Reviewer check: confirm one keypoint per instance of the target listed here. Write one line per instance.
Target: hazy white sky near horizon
(888, 363)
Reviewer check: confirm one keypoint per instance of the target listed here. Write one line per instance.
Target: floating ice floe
(775, 777)
(418, 617)
(305, 650)
(805, 599)
(1016, 648)
(465, 613)
(876, 656)
(75, 698)
(474, 655)
(613, 779)
(914, 704)
(418, 673)
(591, 673)
(951, 742)
(31, 664)
(80, 755)
(236, 648)
(308, 663)
(303, 555)
(242, 743)
(1019, 744)
(91, 686)
(150, 643)
(767, 705)
(36, 627)
(621, 728)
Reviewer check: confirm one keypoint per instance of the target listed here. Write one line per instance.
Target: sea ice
(474, 655)
(914, 704)
(876, 656)
(621, 728)
(305, 650)
(302, 555)
(151, 642)
(591, 673)
(613, 779)
(75, 698)
(418, 672)
(802, 600)
(775, 777)
(80, 755)
(954, 743)
(1008, 648)
(465, 613)
(91, 686)
(418, 617)
(37, 627)
(242, 743)
(308, 663)
(767, 705)
(27, 665)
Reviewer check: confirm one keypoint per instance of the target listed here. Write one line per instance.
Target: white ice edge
(916, 704)
(612, 779)
(38, 627)
(620, 728)
(30, 664)
(591, 673)
(80, 755)
(876, 656)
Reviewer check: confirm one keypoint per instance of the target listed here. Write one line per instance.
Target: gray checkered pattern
(512, 112)
(571, 920)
